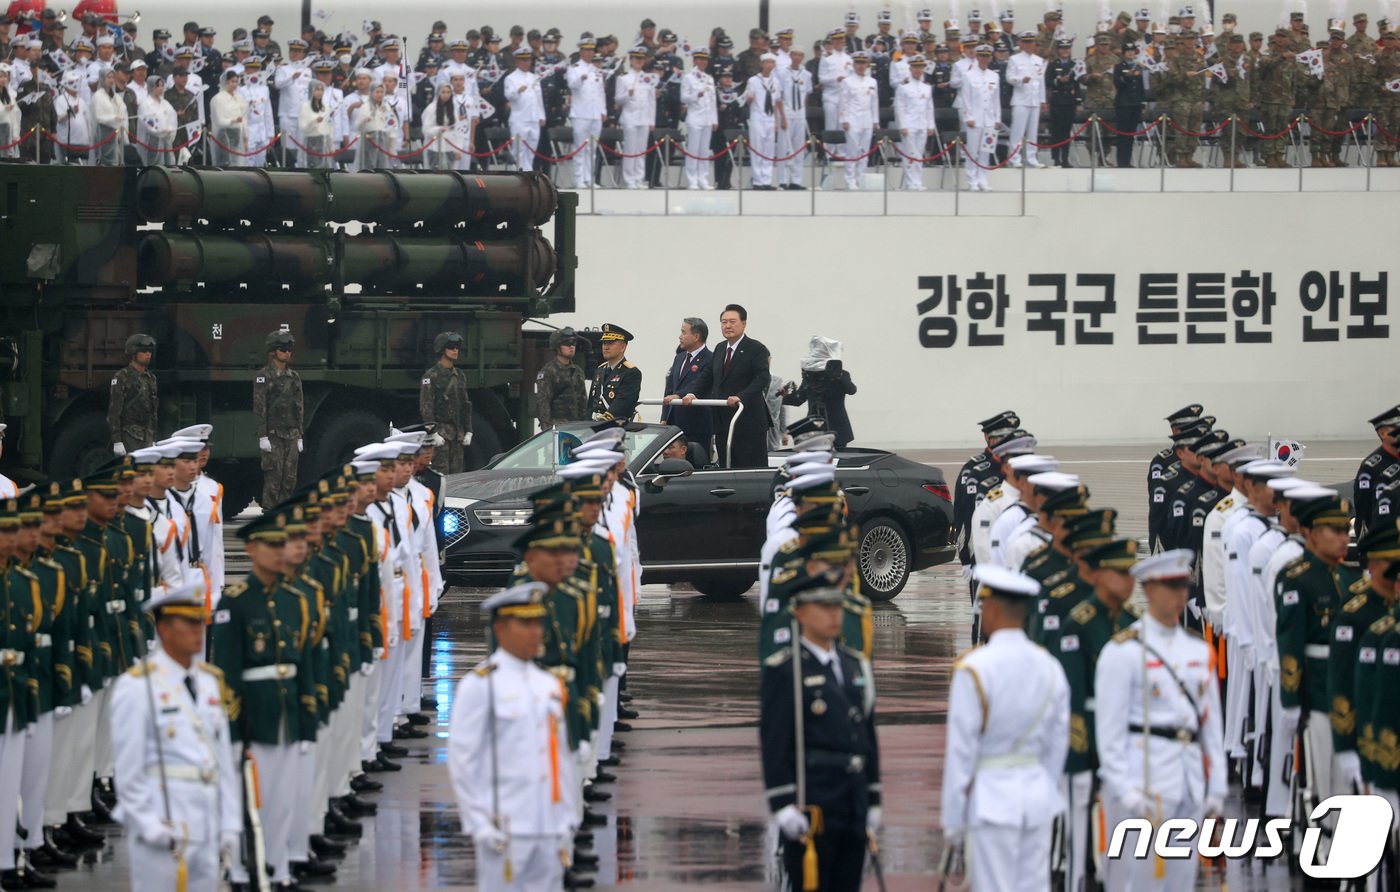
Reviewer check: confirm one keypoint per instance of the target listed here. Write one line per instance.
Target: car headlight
(502, 517)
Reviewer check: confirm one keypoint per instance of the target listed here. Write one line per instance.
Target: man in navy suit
(692, 359)
(738, 374)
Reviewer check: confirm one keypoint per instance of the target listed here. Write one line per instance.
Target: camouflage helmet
(139, 343)
(559, 336)
(446, 341)
(278, 339)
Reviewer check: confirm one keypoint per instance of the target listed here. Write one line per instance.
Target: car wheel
(723, 587)
(883, 559)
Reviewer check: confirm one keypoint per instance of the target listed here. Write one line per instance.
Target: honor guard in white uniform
(425, 563)
(833, 70)
(792, 139)
(913, 118)
(588, 107)
(979, 101)
(999, 498)
(858, 110)
(1213, 533)
(177, 789)
(166, 571)
(1028, 536)
(1019, 502)
(291, 80)
(206, 510)
(526, 101)
(183, 505)
(1008, 733)
(1157, 721)
(634, 94)
(389, 553)
(701, 119)
(507, 753)
(1025, 72)
(763, 94)
(405, 614)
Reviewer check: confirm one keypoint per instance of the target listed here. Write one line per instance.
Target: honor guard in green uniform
(793, 566)
(260, 630)
(279, 412)
(617, 383)
(1351, 669)
(133, 401)
(445, 403)
(1308, 595)
(560, 388)
(20, 601)
(1380, 711)
(1054, 567)
(1089, 626)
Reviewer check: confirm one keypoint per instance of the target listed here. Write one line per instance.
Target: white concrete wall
(857, 279)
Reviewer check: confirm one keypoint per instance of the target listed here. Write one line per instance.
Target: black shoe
(393, 750)
(603, 777)
(383, 764)
(624, 697)
(104, 790)
(591, 794)
(29, 878)
(361, 784)
(625, 713)
(417, 718)
(583, 840)
(313, 867)
(593, 819)
(585, 861)
(574, 881)
(408, 732)
(356, 807)
(289, 886)
(337, 824)
(82, 835)
(796, 188)
(609, 762)
(621, 728)
(50, 857)
(326, 848)
(428, 704)
(100, 813)
(618, 745)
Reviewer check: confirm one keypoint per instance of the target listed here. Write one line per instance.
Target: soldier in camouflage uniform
(443, 401)
(1360, 43)
(277, 406)
(1181, 94)
(1230, 99)
(1275, 77)
(1386, 103)
(133, 403)
(1099, 93)
(1329, 104)
(560, 387)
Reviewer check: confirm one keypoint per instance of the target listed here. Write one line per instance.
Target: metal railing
(714, 404)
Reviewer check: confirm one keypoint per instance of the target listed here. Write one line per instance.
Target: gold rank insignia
(1343, 718)
(1290, 674)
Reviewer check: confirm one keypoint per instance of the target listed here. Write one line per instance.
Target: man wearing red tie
(693, 358)
(738, 374)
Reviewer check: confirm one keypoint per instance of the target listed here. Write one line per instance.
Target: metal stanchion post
(885, 178)
(739, 172)
(38, 144)
(812, 175)
(665, 179)
(1162, 177)
(590, 145)
(1095, 146)
(1372, 136)
(1233, 122)
(1021, 149)
(957, 180)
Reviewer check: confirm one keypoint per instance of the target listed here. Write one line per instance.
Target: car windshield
(542, 451)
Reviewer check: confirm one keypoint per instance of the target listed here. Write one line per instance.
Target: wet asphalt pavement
(687, 808)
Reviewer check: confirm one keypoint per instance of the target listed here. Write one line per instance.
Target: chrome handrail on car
(717, 404)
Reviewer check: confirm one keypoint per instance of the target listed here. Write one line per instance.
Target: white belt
(117, 606)
(11, 657)
(1317, 651)
(1009, 760)
(354, 614)
(1089, 703)
(43, 640)
(275, 672)
(185, 773)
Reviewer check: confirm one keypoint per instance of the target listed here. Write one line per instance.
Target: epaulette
(1297, 567)
(857, 599)
(1055, 578)
(957, 661)
(1035, 558)
(1354, 604)
(627, 364)
(1392, 471)
(1132, 611)
(212, 670)
(485, 668)
(852, 653)
(995, 494)
(235, 590)
(1166, 453)
(1372, 460)
(1169, 473)
(1083, 612)
(983, 466)
(50, 563)
(1225, 504)
(778, 658)
(1061, 591)
(139, 670)
(790, 546)
(1359, 587)
(1128, 634)
(1382, 625)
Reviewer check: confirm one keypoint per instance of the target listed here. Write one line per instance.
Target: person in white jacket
(763, 94)
(398, 111)
(634, 93)
(370, 121)
(438, 121)
(525, 100)
(9, 114)
(228, 119)
(71, 114)
(291, 80)
(979, 101)
(833, 70)
(913, 118)
(859, 111)
(109, 120)
(156, 124)
(1025, 72)
(1008, 735)
(464, 109)
(701, 120)
(792, 139)
(316, 125)
(588, 107)
(262, 124)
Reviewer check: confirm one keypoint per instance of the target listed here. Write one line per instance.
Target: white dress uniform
(764, 97)
(1281, 731)
(588, 106)
(797, 91)
(635, 95)
(291, 80)
(522, 91)
(1243, 625)
(515, 785)
(262, 125)
(425, 557)
(832, 71)
(1025, 72)
(858, 110)
(1011, 520)
(1213, 555)
(913, 116)
(701, 118)
(391, 584)
(1008, 735)
(405, 613)
(209, 524)
(196, 758)
(167, 549)
(1157, 720)
(997, 501)
(979, 101)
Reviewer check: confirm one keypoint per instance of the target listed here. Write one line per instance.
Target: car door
(754, 498)
(689, 519)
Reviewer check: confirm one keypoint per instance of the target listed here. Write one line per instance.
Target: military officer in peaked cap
(133, 402)
(1374, 466)
(617, 383)
(974, 471)
(444, 401)
(177, 786)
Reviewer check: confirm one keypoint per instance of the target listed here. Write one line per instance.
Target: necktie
(796, 95)
(189, 686)
(767, 100)
(728, 355)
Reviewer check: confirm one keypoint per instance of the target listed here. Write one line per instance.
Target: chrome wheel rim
(883, 559)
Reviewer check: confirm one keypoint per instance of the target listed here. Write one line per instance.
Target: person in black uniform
(1064, 94)
(617, 383)
(1174, 476)
(731, 118)
(1376, 468)
(838, 802)
(975, 470)
(1186, 416)
(668, 69)
(1127, 101)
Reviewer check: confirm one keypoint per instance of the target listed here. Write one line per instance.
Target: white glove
(436, 440)
(953, 836)
(1215, 805)
(379, 653)
(264, 444)
(366, 669)
(1348, 764)
(298, 445)
(602, 699)
(490, 838)
(30, 729)
(584, 753)
(162, 837)
(62, 712)
(1133, 804)
(228, 842)
(967, 572)
(85, 695)
(467, 438)
(872, 818)
(393, 640)
(303, 747)
(619, 669)
(792, 822)
(119, 449)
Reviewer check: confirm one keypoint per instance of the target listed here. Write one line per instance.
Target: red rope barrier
(28, 133)
(1272, 136)
(715, 157)
(757, 154)
(1390, 137)
(642, 154)
(491, 154)
(930, 159)
(1182, 130)
(1009, 156)
(1064, 142)
(232, 151)
(331, 154)
(405, 157)
(1350, 130)
(1114, 130)
(552, 160)
(838, 158)
(72, 148)
(181, 147)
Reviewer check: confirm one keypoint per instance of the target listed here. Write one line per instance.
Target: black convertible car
(702, 525)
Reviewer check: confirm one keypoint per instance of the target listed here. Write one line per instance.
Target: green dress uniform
(1307, 595)
(19, 600)
(79, 617)
(109, 653)
(602, 556)
(132, 407)
(58, 617)
(141, 573)
(1379, 713)
(590, 669)
(444, 401)
(279, 412)
(858, 624)
(774, 625)
(1060, 593)
(25, 608)
(126, 574)
(565, 627)
(1364, 608)
(1090, 625)
(356, 540)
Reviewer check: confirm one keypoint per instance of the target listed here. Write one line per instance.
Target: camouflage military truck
(365, 269)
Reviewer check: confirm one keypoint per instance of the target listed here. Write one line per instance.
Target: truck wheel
(81, 445)
(335, 440)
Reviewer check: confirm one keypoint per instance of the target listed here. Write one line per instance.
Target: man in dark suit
(738, 374)
(692, 360)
